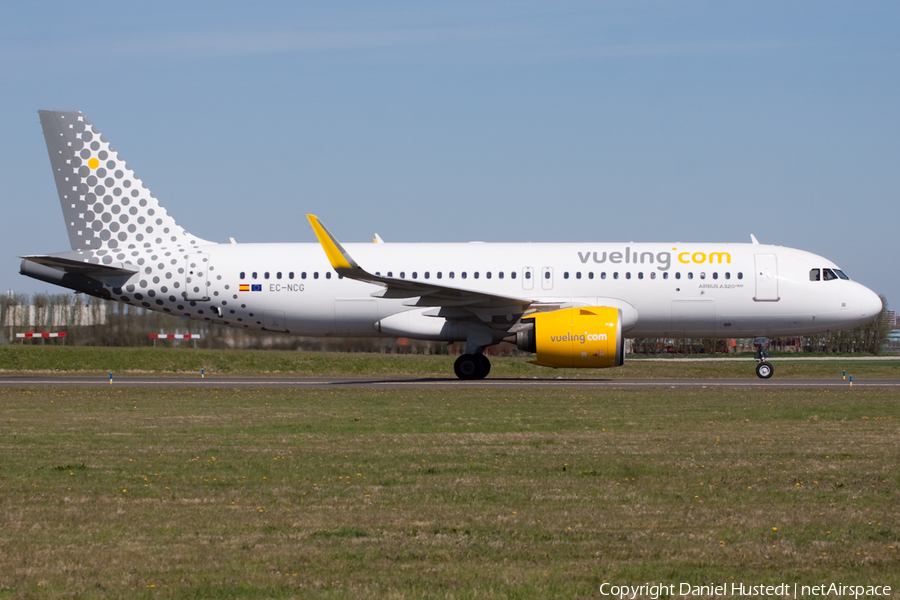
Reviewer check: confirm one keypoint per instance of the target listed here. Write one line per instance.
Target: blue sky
(494, 121)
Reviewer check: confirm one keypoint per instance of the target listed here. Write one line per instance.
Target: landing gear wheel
(466, 367)
(472, 366)
(764, 370)
(484, 365)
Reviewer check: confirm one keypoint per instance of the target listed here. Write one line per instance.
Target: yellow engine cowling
(582, 337)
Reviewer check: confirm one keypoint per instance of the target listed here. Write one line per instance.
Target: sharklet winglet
(340, 260)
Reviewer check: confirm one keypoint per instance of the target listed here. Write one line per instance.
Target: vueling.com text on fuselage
(662, 259)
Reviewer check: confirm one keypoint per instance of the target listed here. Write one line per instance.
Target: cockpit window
(828, 274)
(841, 274)
(814, 275)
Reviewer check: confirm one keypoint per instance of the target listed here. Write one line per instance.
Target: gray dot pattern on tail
(113, 219)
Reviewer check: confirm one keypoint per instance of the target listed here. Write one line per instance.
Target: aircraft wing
(453, 300)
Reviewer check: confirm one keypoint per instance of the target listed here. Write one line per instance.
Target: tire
(484, 365)
(764, 370)
(467, 367)
(472, 366)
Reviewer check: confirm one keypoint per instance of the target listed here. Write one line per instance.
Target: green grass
(187, 361)
(423, 493)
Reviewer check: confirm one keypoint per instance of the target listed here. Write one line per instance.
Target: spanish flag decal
(243, 288)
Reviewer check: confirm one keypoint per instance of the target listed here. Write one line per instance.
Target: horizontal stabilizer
(77, 267)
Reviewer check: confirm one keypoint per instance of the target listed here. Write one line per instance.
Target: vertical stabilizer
(105, 205)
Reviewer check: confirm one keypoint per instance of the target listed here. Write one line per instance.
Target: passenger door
(196, 276)
(766, 275)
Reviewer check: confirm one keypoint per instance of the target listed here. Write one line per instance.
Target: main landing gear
(764, 370)
(472, 366)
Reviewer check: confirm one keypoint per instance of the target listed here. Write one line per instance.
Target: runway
(396, 383)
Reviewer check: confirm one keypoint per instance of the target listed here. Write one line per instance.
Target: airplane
(570, 304)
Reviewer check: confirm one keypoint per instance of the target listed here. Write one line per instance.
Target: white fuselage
(664, 290)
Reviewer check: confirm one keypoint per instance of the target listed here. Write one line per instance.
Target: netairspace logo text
(736, 590)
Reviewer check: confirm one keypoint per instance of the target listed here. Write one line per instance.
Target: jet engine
(582, 337)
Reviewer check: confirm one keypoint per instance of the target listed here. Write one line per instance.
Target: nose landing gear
(472, 366)
(764, 370)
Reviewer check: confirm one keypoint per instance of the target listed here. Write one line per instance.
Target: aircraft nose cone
(870, 303)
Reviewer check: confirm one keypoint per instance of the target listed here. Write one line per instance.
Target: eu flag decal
(256, 287)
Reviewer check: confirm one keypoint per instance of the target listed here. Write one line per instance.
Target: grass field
(356, 493)
(17, 359)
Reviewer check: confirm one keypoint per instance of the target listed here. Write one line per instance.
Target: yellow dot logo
(93, 163)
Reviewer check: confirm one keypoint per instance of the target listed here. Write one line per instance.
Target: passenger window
(814, 275)
(291, 275)
(628, 275)
(390, 273)
(328, 275)
(652, 274)
(500, 274)
(547, 275)
(476, 275)
(702, 275)
(254, 275)
(463, 275)
(512, 275)
(427, 274)
(402, 274)
(303, 275)
(690, 275)
(578, 275)
(740, 275)
(603, 275)
(266, 276)
(439, 275)
(488, 274)
(591, 275)
(452, 274)
(727, 275)
(243, 274)
(415, 275)
(278, 275)
(616, 275)
(828, 274)
(316, 275)
(566, 275)
(666, 275)
(677, 275)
